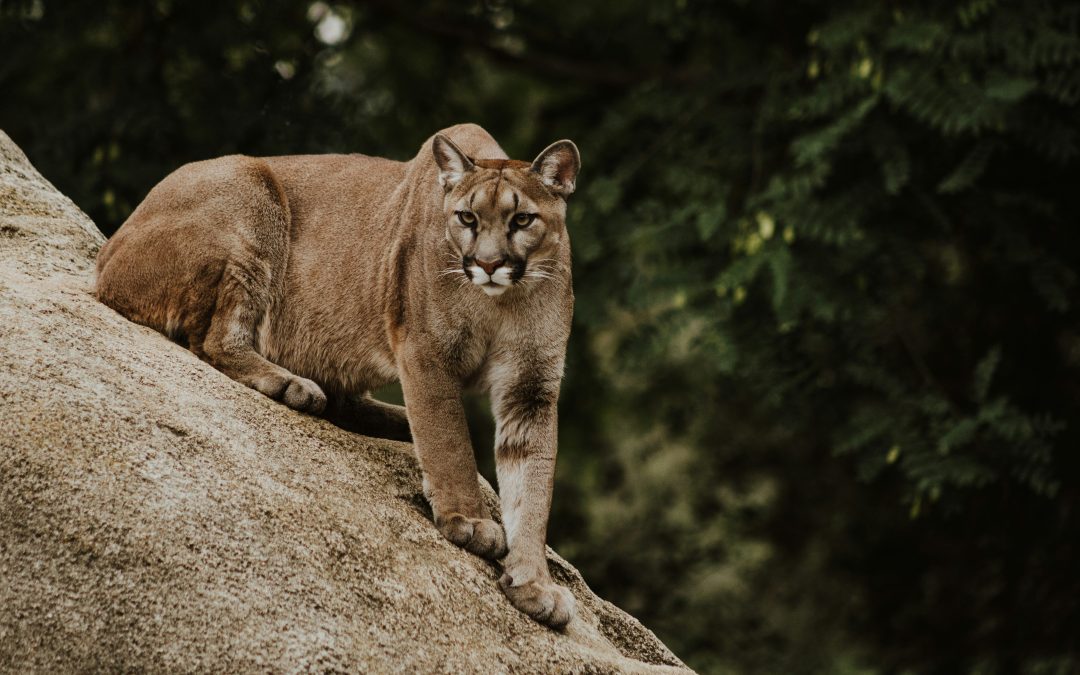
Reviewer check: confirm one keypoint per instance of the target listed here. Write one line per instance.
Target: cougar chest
(473, 344)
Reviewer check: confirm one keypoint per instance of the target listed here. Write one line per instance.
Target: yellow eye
(467, 218)
(524, 219)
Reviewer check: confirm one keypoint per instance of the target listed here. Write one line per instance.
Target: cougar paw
(480, 536)
(304, 395)
(296, 392)
(543, 600)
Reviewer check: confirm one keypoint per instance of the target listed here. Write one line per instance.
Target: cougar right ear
(453, 163)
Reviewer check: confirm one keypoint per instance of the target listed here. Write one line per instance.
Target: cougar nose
(490, 266)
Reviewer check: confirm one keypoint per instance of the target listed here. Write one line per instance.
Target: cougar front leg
(441, 438)
(525, 448)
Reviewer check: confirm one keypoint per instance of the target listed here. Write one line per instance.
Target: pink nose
(489, 266)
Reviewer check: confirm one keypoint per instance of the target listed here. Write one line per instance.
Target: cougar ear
(453, 163)
(558, 166)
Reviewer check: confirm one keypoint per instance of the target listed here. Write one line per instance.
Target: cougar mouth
(494, 281)
(493, 289)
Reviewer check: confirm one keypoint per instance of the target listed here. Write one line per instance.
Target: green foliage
(821, 395)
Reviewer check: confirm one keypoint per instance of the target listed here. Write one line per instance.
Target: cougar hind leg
(203, 260)
(251, 285)
(229, 344)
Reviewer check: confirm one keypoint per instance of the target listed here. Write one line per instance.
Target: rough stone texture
(155, 515)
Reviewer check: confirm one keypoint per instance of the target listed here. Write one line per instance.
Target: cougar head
(505, 218)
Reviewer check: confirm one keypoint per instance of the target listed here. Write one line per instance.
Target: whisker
(545, 268)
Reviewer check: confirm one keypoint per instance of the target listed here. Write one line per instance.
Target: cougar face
(505, 218)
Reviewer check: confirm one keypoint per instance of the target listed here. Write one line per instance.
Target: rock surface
(155, 515)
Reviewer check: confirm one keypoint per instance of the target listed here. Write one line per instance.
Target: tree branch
(478, 37)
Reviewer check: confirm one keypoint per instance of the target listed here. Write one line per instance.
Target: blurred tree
(822, 392)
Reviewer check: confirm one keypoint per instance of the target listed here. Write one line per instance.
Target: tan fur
(316, 278)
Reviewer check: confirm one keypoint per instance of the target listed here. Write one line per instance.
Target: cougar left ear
(558, 167)
(453, 163)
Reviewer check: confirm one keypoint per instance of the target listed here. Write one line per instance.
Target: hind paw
(304, 395)
(296, 392)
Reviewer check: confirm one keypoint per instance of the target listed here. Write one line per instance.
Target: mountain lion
(316, 279)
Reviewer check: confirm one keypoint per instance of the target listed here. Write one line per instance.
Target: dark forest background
(821, 404)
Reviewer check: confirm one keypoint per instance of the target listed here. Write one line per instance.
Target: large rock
(155, 515)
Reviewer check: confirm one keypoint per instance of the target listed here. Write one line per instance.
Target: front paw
(543, 600)
(480, 536)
